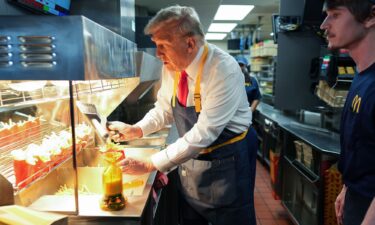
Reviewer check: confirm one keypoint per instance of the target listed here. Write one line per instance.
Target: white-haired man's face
(173, 48)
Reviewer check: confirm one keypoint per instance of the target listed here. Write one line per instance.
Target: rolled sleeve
(161, 114)
(145, 127)
(162, 162)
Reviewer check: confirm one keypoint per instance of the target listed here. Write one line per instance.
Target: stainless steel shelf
(51, 91)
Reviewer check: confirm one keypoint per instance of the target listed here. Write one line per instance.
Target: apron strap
(176, 79)
(230, 141)
(197, 91)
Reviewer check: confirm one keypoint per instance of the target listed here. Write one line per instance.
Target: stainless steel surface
(311, 118)
(146, 141)
(108, 54)
(13, 94)
(106, 100)
(66, 48)
(142, 98)
(157, 139)
(89, 198)
(88, 109)
(100, 126)
(105, 94)
(322, 139)
(127, 14)
(62, 175)
(116, 15)
(62, 48)
(148, 67)
(134, 98)
(101, 130)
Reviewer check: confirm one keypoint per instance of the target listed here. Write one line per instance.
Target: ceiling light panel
(233, 12)
(222, 27)
(215, 36)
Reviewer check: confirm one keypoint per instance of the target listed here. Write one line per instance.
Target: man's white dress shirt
(224, 105)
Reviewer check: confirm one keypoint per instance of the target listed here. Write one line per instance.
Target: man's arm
(224, 97)
(254, 105)
(339, 205)
(370, 215)
(161, 114)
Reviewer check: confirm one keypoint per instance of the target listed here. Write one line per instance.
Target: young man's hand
(339, 205)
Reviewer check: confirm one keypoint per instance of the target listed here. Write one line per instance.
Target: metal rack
(94, 86)
(91, 68)
(53, 90)
(32, 135)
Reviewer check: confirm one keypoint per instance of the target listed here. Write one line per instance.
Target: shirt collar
(192, 69)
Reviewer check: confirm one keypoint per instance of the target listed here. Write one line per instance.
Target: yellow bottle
(113, 198)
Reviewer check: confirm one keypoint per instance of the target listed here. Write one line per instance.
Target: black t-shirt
(357, 158)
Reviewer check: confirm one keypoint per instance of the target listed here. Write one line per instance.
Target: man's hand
(339, 205)
(119, 131)
(136, 167)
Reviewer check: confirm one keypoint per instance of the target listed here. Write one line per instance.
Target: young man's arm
(370, 215)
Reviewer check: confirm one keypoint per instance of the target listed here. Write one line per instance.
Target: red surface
(268, 210)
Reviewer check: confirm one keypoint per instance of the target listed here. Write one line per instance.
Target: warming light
(233, 12)
(215, 36)
(222, 27)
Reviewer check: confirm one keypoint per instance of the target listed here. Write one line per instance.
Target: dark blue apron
(219, 185)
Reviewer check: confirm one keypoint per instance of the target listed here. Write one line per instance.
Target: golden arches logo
(356, 103)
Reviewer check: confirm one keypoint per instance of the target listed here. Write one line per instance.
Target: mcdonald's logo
(356, 103)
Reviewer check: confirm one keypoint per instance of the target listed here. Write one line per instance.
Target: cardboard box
(299, 151)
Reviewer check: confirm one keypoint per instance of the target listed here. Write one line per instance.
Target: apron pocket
(224, 185)
(211, 182)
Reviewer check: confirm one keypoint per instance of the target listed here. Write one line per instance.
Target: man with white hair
(202, 92)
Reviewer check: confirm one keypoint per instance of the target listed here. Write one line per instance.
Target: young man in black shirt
(350, 24)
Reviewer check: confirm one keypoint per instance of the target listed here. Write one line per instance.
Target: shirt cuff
(162, 162)
(144, 128)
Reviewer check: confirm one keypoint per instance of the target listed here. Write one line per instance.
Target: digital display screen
(325, 63)
(54, 7)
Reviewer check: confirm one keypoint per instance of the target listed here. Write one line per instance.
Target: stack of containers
(332, 187)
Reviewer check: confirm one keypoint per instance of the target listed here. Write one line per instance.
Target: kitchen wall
(220, 44)
(7, 9)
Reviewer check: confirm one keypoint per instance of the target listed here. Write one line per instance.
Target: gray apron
(219, 185)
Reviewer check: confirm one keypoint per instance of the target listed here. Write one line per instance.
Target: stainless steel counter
(138, 211)
(322, 139)
(140, 207)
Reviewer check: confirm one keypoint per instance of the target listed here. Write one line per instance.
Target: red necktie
(183, 89)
